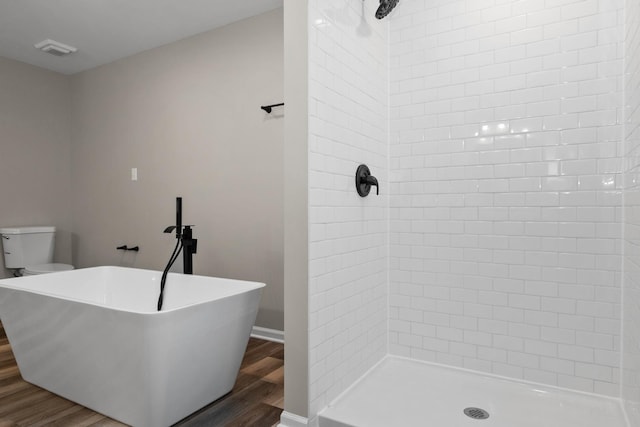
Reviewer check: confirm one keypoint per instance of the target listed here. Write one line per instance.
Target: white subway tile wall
(506, 188)
(348, 240)
(631, 299)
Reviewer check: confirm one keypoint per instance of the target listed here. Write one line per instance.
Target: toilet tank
(24, 246)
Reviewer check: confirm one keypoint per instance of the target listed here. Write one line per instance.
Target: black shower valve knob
(364, 181)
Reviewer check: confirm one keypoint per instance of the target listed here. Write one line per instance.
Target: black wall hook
(364, 181)
(126, 248)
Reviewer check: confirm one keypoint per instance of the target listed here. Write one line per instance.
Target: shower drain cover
(476, 413)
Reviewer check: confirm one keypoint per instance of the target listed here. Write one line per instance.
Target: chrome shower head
(386, 6)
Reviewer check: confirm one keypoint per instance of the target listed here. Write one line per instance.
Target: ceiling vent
(55, 48)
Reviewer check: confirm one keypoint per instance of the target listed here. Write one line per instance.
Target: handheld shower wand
(178, 217)
(178, 226)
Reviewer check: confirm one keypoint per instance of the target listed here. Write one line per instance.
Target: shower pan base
(403, 392)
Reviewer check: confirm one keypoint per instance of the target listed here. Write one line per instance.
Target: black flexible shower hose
(172, 259)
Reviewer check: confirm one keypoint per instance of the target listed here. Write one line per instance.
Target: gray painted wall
(187, 116)
(296, 211)
(34, 151)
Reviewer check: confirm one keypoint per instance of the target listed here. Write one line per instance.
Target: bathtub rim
(13, 284)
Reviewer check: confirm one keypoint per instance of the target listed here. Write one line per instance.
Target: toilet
(29, 250)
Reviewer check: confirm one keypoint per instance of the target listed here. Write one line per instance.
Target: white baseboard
(268, 334)
(292, 420)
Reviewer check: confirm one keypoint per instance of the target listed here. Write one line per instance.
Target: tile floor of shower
(403, 392)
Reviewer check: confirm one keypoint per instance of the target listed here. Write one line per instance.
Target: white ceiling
(107, 30)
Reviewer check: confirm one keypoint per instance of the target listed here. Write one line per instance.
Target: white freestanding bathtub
(94, 337)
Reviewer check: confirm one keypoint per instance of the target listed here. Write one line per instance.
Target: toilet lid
(47, 268)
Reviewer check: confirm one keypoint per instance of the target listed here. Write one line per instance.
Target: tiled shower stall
(505, 137)
(506, 190)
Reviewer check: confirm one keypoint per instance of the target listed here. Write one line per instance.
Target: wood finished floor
(256, 400)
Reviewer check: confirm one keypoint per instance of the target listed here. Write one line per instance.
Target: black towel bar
(268, 108)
